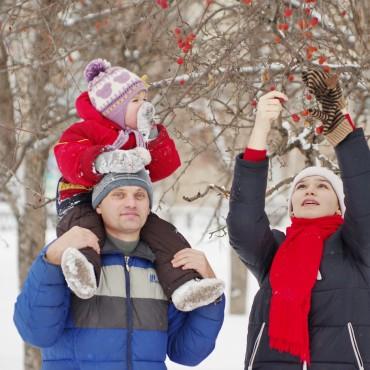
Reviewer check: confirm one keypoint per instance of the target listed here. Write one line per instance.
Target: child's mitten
(129, 161)
(145, 119)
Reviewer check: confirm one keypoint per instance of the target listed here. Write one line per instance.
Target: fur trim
(78, 273)
(143, 154)
(197, 293)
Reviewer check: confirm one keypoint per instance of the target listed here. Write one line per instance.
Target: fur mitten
(123, 161)
(145, 119)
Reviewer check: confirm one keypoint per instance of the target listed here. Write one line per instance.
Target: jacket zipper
(255, 347)
(360, 363)
(127, 259)
(129, 313)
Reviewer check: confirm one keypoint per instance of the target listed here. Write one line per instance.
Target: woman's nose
(310, 191)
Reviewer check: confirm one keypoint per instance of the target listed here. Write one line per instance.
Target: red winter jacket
(82, 142)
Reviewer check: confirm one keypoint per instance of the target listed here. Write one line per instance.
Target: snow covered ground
(11, 348)
(230, 348)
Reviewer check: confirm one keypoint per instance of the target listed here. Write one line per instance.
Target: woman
(313, 306)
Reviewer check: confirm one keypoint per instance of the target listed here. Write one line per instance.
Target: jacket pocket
(356, 351)
(256, 345)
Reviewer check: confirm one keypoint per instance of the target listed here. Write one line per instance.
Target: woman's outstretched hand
(269, 107)
(268, 110)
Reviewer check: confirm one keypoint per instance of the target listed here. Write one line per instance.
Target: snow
(12, 346)
(232, 338)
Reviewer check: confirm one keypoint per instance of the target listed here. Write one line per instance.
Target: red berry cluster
(163, 4)
(305, 24)
(310, 50)
(184, 42)
(302, 23)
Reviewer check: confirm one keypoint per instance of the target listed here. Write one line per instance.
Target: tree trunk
(238, 286)
(32, 358)
(32, 225)
(31, 234)
(7, 138)
(32, 101)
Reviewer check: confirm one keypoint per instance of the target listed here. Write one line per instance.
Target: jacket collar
(142, 250)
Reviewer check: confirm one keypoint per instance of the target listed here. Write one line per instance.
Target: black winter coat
(339, 319)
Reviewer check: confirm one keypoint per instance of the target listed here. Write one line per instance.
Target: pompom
(95, 67)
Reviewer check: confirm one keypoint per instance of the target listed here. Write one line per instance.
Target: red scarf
(292, 276)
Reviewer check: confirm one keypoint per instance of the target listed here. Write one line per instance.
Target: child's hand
(76, 237)
(189, 258)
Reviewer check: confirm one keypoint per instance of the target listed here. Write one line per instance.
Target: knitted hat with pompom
(110, 89)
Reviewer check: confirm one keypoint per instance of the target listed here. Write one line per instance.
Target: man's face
(132, 109)
(124, 211)
(314, 197)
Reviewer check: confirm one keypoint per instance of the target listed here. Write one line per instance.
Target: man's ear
(98, 210)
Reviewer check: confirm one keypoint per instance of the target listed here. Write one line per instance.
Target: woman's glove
(328, 93)
(129, 161)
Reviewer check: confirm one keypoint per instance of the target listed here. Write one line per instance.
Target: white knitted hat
(334, 180)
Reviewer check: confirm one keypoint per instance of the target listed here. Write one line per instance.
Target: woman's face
(313, 197)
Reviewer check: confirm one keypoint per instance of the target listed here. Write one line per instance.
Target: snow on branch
(250, 70)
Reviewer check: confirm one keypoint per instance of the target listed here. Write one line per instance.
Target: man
(129, 323)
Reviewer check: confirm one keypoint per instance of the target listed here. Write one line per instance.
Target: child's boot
(197, 293)
(79, 273)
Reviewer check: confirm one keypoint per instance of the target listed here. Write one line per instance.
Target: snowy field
(230, 347)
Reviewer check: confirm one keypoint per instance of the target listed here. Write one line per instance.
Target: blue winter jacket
(128, 324)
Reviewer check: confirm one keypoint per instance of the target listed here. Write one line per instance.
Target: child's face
(314, 197)
(132, 108)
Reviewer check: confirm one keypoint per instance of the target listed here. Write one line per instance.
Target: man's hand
(193, 259)
(77, 237)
